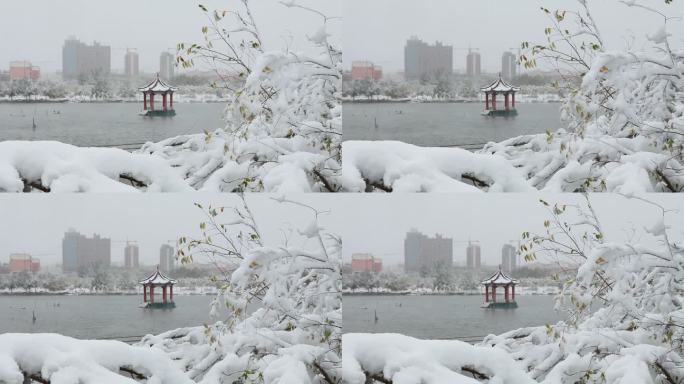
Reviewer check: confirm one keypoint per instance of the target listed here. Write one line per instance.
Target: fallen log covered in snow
(57, 359)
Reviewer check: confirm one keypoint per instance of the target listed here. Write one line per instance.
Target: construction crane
(125, 241)
(465, 49)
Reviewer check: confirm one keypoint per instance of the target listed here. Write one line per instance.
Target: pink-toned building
(20, 70)
(365, 70)
(365, 262)
(23, 262)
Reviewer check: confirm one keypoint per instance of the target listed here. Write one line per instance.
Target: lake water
(98, 316)
(103, 124)
(443, 317)
(444, 124)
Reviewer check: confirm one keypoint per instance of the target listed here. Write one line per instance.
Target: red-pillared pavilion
(499, 279)
(500, 87)
(158, 280)
(158, 87)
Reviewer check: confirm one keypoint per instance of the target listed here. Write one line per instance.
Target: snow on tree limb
(399, 359)
(625, 326)
(58, 167)
(56, 359)
(283, 132)
(402, 167)
(294, 336)
(624, 129)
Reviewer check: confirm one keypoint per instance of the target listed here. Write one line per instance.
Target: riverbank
(138, 98)
(177, 291)
(519, 291)
(545, 98)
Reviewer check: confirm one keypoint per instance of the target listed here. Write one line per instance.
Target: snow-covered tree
(283, 132)
(280, 307)
(625, 317)
(625, 304)
(284, 120)
(624, 125)
(294, 335)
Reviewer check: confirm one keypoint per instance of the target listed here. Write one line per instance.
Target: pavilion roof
(158, 278)
(500, 85)
(158, 85)
(499, 278)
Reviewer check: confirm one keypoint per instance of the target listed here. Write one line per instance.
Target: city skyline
(490, 26)
(148, 220)
(471, 217)
(423, 252)
(126, 26)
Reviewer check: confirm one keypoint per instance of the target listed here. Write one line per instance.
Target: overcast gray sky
(35, 30)
(377, 30)
(367, 223)
(36, 224)
(378, 223)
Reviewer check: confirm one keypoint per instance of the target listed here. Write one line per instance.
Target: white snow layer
(407, 360)
(625, 323)
(64, 360)
(283, 134)
(624, 133)
(285, 126)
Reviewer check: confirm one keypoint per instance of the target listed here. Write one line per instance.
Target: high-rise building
(365, 70)
(422, 59)
(23, 70)
(166, 65)
(23, 262)
(508, 258)
(131, 252)
(80, 59)
(473, 68)
(473, 259)
(508, 66)
(366, 262)
(131, 63)
(81, 252)
(422, 251)
(167, 258)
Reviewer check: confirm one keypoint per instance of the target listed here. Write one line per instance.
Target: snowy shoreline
(106, 101)
(438, 294)
(442, 101)
(178, 291)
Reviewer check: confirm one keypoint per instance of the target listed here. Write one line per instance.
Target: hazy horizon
(373, 223)
(39, 222)
(493, 220)
(492, 26)
(38, 28)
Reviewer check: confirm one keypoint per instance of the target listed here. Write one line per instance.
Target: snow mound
(58, 167)
(401, 167)
(283, 133)
(63, 360)
(399, 359)
(624, 132)
(624, 326)
(294, 335)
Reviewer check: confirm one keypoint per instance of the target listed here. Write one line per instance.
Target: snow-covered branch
(294, 335)
(624, 126)
(51, 358)
(283, 132)
(626, 323)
